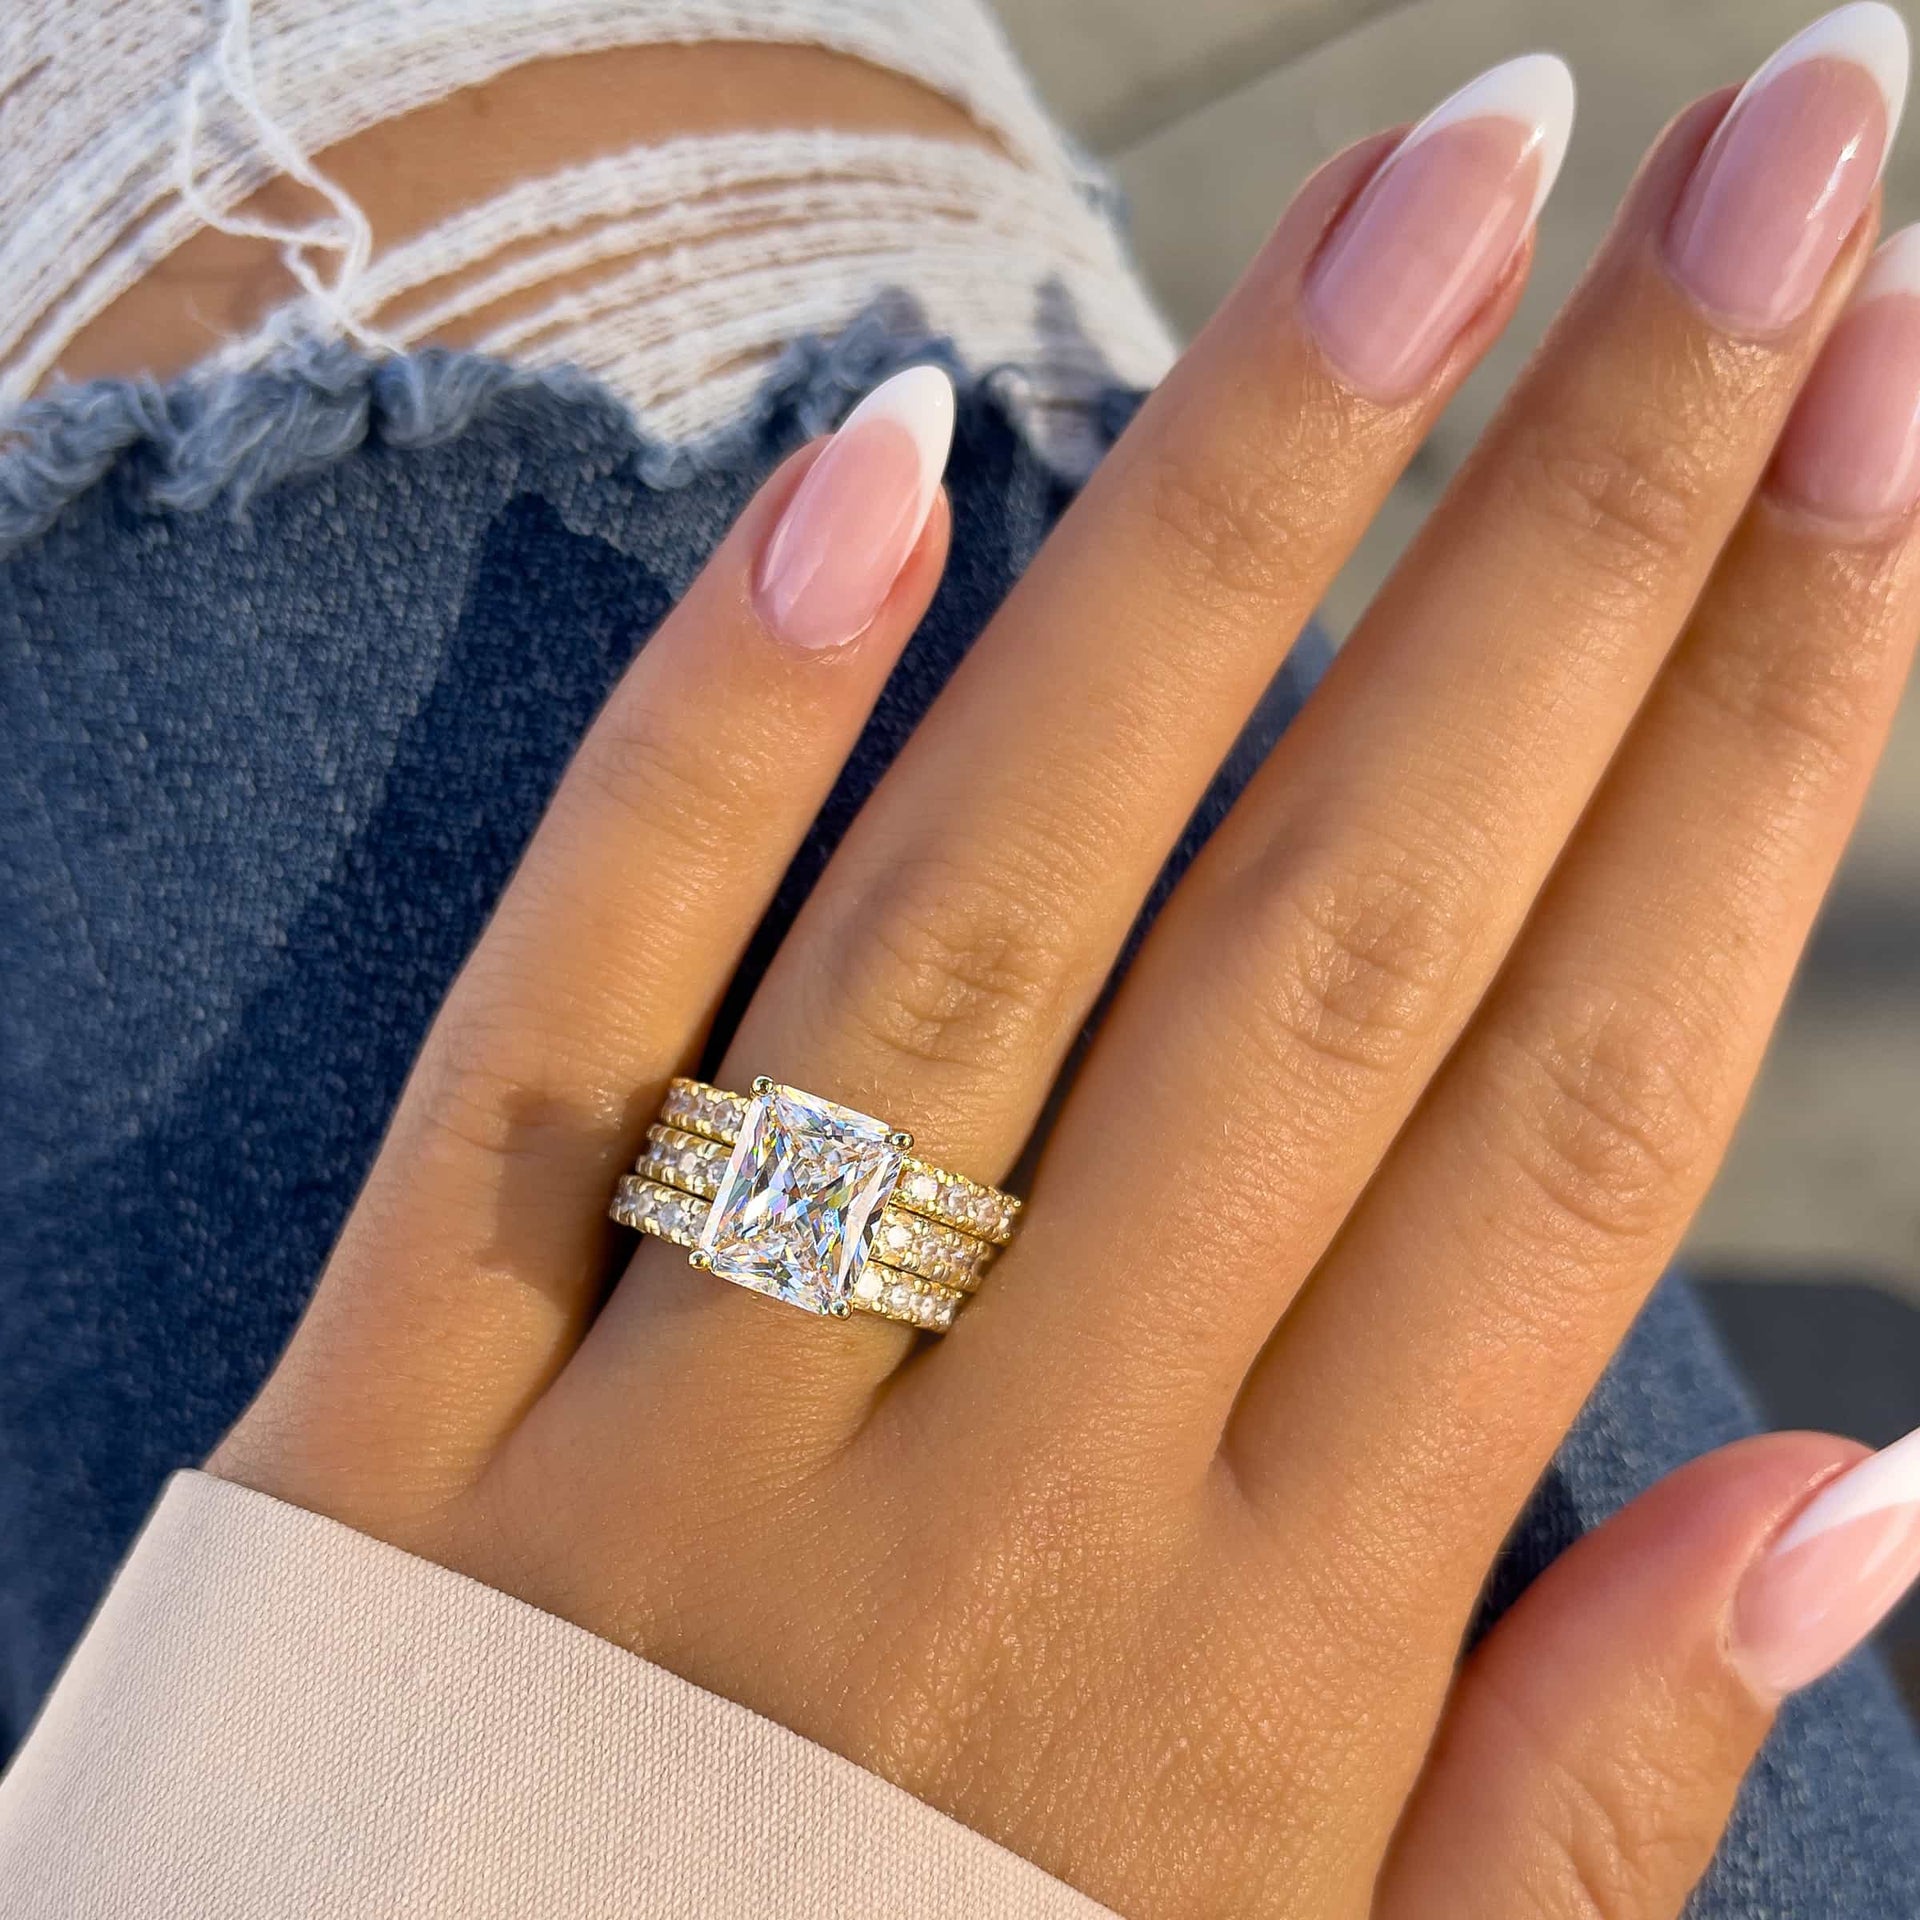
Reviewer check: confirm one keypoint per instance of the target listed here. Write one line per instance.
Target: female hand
(1156, 1569)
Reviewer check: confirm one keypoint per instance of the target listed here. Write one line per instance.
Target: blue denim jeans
(288, 680)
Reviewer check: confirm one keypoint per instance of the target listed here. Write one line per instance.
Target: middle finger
(950, 952)
(1328, 948)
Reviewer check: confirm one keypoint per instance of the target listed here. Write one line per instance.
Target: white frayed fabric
(274, 1716)
(130, 125)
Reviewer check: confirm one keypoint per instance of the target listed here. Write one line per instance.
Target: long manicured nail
(857, 516)
(1790, 169)
(1837, 1571)
(1429, 236)
(1851, 451)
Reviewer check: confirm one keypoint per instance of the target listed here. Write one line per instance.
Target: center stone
(800, 1199)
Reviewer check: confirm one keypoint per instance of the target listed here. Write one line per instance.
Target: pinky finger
(1591, 1754)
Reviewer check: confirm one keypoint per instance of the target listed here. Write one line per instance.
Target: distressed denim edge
(218, 438)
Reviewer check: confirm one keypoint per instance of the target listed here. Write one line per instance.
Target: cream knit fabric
(126, 125)
(273, 1717)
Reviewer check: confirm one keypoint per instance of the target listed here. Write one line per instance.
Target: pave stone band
(812, 1203)
(679, 1218)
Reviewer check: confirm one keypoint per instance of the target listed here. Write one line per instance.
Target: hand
(1156, 1569)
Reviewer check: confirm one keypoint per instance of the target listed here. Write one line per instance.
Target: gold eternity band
(812, 1203)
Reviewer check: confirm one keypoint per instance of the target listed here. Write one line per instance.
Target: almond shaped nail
(1832, 1575)
(1418, 253)
(1850, 453)
(1790, 170)
(855, 519)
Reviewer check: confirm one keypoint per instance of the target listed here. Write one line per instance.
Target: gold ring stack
(812, 1203)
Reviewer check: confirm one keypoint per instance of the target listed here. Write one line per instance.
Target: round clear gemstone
(867, 1287)
(923, 1188)
(898, 1236)
(900, 1298)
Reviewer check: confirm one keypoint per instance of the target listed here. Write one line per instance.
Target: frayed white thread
(676, 273)
(93, 111)
(348, 234)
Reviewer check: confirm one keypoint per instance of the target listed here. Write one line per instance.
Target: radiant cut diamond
(800, 1199)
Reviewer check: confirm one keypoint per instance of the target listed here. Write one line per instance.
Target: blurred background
(1209, 112)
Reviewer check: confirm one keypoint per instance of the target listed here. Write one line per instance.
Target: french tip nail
(1423, 247)
(1871, 35)
(1840, 1567)
(920, 399)
(1790, 169)
(1850, 453)
(1880, 1483)
(858, 513)
(1536, 89)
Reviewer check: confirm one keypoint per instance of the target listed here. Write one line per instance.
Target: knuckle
(489, 1081)
(952, 968)
(941, 1684)
(1813, 704)
(1359, 964)
(1624, 495)
(1221, 531)
(1624, 1832)
(1602, 1095)
(672, 788)
(1621, 1851)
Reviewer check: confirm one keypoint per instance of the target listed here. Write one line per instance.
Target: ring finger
(1580, 1119)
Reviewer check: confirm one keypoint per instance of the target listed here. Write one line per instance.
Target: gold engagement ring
(812, 1203)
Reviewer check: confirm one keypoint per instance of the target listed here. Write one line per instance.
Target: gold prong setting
(650, 1206)
(791, 1195)
(983, 1212)
(910, 1242)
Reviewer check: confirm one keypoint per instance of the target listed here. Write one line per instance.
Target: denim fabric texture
(276, 735)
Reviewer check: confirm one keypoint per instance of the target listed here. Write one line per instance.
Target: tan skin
(1156, 1568)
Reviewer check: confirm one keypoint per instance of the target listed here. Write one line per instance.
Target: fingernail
(1790, 169)
(1851, 450)
(857, 516)
(1425, 243)
(1839, 1568)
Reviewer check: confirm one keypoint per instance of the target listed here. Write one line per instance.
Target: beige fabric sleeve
(273, 1716)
